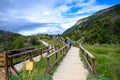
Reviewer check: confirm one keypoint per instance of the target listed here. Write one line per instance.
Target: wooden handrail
(56, 51)
(62, 51)
(87, 52)
(29, 55)
(11, 52)
(27, 52)
(20, 55)
(90, 62)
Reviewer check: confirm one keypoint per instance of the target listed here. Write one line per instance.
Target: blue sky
(29, 17)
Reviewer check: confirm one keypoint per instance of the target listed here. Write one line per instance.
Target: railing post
(57, 58)
(6, 65)
(93, 66)
(91, 62)
(3, 66)
(82, 51)
(41, 52)
(31, 57)
(48, 50)
(66, 49)
(61, 53)
(12, 68)
(48, 62)
(87, 57)
(48, 65)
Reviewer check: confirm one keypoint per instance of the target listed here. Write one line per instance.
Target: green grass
(39, 67)
(53, 58)
(37, 73)
(53, 42)
(107, 61)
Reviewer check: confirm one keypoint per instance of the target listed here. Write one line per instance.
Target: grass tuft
(107, 61)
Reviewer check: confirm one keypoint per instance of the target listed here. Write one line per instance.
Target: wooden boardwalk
(71, 68)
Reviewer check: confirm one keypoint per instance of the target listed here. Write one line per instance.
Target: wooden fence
(13, 57)
(89, 59)
(57, 55)
(3, 67)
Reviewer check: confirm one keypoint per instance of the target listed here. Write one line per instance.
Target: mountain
(7, 36)
(101, 27)
(10, 40)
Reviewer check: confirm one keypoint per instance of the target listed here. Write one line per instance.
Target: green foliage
(107, 61)
(18, 42)
(102, 27)
(37, 73)
(53, 41)
(34, 40)
(39, 77)
(12, 41)
(46, 36)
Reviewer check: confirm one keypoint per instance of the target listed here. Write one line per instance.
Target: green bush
(34, 40)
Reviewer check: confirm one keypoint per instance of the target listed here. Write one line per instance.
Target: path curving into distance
(20, 66)
(71, 68)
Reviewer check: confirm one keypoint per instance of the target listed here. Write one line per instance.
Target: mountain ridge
(106, 21)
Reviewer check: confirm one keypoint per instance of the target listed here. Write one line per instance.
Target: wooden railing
(55, 57)
(89, 59)
(11, 52)
(10, 58)
(3, 66)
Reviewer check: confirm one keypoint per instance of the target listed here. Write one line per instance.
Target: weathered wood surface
(3, 66)
(6, 59)
(58, 55)
(71, 68)
(2, 74)
(89, 58)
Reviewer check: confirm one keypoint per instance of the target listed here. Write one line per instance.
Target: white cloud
(67, 25)
(50, 11)
(46, 13)
(91, 8)
(48, 30)
(89, 2)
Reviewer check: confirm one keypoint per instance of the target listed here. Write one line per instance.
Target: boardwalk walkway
(71, 68)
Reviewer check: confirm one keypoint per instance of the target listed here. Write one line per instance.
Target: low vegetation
(51, 40)
(107, 61)
(37, 73)
(40, 67)
(101, 27)
(17, 41)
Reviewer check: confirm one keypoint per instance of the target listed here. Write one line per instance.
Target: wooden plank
(2, 55)
(2, 63)
(26, 52)
(56, 51)
(2, 59)
(90, 62)
(87, 62)
(2, 74)
(13, 71)
(87, 52)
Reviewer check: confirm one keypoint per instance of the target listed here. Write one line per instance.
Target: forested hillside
(101, 27)
(11, 41)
